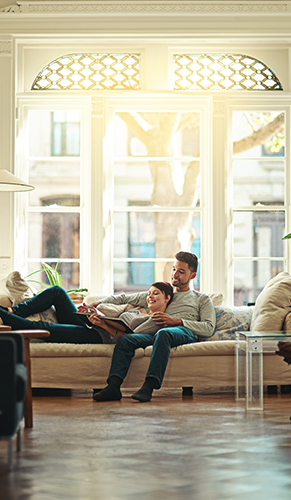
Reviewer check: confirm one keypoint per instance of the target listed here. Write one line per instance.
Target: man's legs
(164, 339)
(121, 359)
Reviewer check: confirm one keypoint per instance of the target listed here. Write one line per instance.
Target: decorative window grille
(90, 72)
(223, 72)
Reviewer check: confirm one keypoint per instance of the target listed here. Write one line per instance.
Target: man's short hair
(189, 258)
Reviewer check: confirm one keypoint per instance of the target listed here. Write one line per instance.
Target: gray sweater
(195, 309)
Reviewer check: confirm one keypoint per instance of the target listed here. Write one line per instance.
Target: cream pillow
(217, 298)
(15, 288)
(272, 304)
(287, 323)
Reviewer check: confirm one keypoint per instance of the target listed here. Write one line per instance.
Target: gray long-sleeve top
(195, 309)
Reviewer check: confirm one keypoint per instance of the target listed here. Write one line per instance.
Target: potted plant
(55, 278)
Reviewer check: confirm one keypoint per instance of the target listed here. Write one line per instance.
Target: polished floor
(173, 448)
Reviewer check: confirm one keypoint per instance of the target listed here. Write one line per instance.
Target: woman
(69, 329)
(159, 297)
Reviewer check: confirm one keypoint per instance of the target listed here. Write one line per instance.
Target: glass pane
(53, 235)
(157, 159)
(159, 183)
(250, 277)
(150, 235)
(164, 134)
(54, 163)
(138, 276)
(69, 271)
(258, 134)
(258, 181)
(259, 234)
(259, 138)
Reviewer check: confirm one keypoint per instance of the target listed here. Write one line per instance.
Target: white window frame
(256, 101)
(96, 238)
(52, 102)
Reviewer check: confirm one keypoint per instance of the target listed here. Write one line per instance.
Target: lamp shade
(9, 182)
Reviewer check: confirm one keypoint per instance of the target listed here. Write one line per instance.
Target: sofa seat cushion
(56, 350)
(206, 348)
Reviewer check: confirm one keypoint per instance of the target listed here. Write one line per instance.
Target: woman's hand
(84, 308)
(97, 320)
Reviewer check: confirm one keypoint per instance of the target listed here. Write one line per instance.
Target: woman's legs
(54, 296)
(71, 334)
(70, 328)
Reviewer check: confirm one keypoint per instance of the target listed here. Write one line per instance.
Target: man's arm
(135, 299)
(206, 325)
(192, 310)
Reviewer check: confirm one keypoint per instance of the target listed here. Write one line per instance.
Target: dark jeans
(70, 328)
(162, 341)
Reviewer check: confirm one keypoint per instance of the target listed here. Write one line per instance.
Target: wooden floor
(173, 448)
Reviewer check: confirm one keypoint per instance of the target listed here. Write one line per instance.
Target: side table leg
(254, 375)
(240, 368)
(28, 420)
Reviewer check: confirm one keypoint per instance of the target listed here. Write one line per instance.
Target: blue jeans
(70, 328)
(162, 341)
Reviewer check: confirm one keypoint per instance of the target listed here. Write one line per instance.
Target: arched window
(90, 72)
(223, 72)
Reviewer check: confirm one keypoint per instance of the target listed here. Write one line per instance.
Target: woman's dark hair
(165, 287)
(188, 258)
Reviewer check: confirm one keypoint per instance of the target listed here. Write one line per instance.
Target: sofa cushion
(272, 304)
(230, 320)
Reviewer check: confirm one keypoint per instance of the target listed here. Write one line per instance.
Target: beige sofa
(203, 365)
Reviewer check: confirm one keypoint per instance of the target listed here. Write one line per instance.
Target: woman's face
(156, 299)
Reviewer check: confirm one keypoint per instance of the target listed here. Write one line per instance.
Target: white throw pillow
(272, 304)
(217, 298)
(15, 288)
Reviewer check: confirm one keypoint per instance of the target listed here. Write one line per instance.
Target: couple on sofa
(174, 320)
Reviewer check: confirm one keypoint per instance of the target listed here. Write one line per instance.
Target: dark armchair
(12, 389)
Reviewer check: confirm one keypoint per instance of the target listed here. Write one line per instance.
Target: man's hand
(164, 319)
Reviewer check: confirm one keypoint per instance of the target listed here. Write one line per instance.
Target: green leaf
(287, 237)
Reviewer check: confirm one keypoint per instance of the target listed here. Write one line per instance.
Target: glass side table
(249, 350)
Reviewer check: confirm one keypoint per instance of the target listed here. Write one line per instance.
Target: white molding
(169, 7)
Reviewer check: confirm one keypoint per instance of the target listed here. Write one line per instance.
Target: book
(117, 323)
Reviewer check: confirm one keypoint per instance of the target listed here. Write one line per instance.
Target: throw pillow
(217, 298)
(272, 304)
(230, 320)
(15, 288)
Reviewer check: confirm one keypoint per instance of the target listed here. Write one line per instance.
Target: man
(190, 315)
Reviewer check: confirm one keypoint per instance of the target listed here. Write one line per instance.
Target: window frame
(258, 102)
(96, 236)
(28, 103)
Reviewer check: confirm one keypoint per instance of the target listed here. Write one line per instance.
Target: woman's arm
(115, 329)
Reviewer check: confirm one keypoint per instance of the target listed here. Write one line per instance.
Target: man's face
(181, 276)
